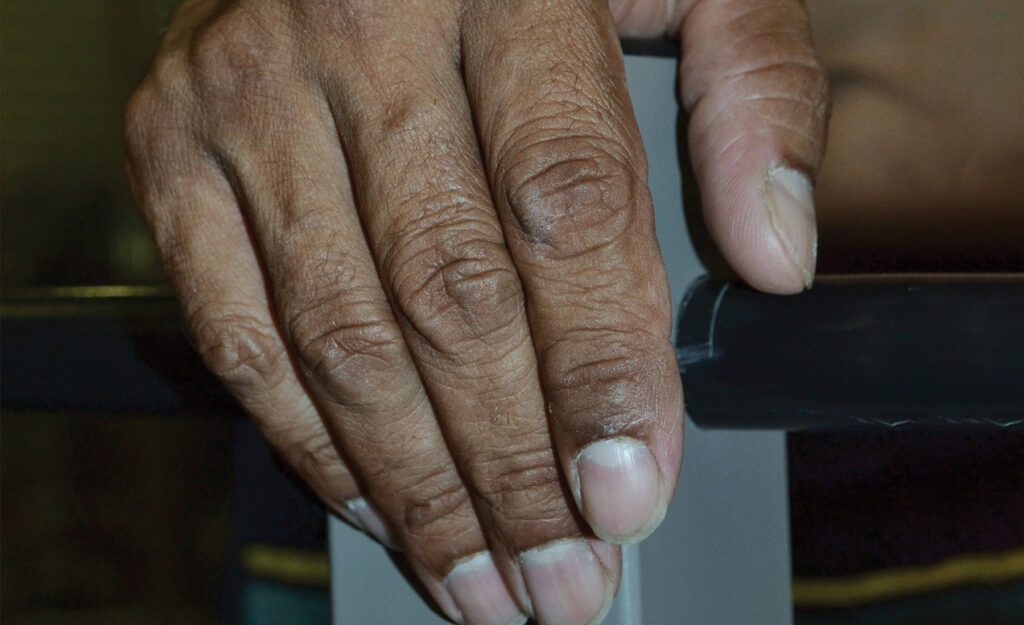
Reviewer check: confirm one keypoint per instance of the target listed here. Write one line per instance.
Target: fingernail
(480, 593)
(790, 203)
(610, 557)
(370, 521)
(566, 583)
(345, 512)
(619, 490)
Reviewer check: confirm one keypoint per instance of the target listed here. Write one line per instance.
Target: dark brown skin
(414, 239)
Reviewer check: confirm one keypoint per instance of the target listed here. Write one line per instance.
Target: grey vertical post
(722, 555)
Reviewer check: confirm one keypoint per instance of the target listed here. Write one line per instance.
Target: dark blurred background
(105, 519)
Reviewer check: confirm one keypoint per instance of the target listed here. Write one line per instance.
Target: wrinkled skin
(414, 239)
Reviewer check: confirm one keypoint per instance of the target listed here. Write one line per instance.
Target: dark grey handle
(884, 351)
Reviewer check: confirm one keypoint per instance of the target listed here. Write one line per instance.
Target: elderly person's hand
(415, 241)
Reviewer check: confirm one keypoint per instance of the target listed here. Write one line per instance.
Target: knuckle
(790, 96)
(139, 117)
(364, 29)
(150, 127)
(235, 56)
(346, 345)
(794, 81)
(523, 486)
(457, 293)
(343, 19)
(435, 505)
(571, 194)
(406, 111)
(170, 72)
(243, 352)
(155, 115)
(606, 389)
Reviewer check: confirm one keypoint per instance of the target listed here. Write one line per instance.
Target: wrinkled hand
(415, 241)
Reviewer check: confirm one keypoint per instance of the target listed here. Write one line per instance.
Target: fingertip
(783, 261)
(765, 225)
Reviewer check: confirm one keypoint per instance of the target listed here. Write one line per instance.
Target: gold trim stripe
(97, 291)
(283, 564)
(973, 569)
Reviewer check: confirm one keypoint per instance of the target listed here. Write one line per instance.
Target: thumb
(758, 104)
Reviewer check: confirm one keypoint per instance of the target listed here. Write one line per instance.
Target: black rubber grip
(898, 351)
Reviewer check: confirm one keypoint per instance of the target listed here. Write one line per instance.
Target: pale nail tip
(526, 604)
(519, 619)
(602, 614)
(808, 281)
(355, 504)
(634, 537)
(808, 276)
(453, 615)
(345, 513)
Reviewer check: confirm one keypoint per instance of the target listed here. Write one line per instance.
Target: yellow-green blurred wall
(67, 68)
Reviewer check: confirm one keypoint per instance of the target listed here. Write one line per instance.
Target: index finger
(568, 176)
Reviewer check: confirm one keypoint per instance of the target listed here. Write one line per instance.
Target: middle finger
(425, 204)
